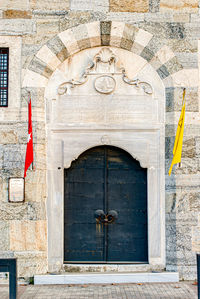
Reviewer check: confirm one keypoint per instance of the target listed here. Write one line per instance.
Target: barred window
(4, 53)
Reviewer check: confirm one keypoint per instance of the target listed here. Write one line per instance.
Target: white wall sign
(16, 189)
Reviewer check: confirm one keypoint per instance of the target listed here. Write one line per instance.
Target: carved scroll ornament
(104, 65)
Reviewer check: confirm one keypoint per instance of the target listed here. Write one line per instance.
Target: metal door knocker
(101, 217)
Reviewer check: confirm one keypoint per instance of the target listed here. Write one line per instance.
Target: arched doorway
(82, 116)
(105, 208)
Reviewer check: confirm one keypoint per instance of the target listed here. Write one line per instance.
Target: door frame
(130, 120)
(147, 147)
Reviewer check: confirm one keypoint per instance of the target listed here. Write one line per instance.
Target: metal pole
(13, 279)
(198, 274)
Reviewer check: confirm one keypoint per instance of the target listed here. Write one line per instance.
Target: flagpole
(178, 143)
(29, 146)
(29, 94)
(184, 90)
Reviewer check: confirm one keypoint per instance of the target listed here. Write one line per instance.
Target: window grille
(4, 53)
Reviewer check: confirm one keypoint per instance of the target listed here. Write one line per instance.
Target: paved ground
(180, 290)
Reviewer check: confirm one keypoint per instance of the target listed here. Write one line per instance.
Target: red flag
(29, 147)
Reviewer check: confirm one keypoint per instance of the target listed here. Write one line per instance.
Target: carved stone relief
(104, 67)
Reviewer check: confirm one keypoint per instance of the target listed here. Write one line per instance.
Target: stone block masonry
(163, 32)
(129, 6)
(188, 6)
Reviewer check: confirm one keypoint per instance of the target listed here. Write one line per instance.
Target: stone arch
(83, 148)
(104, 33)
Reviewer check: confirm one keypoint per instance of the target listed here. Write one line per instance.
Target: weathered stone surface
(17, 14)
(4, 240)
(13, 156)
(96, 5)
(170, 202)
(39, 133)
(192, 31)
(173, 65)
(7, 137)
(188, 272)
(1, 187)
(47, 26)
(165, 30)
(181, 17)
(17, 4)
(31, 263)
(188, 166)
(130, 18)
(32, 79)
(49, 5)
(38, 66)
(129, 32)
(154, 5)
(6, 254)
(147, 54)
(174, 99)
(75, 18)
(24, 211)
(37, 97)
(28, 51)
(188, 60)
(194, 202)
(189, 130)
(189, 6)
(36, 192)
(183, 202)
(28, 235)
(166, 17)
(197, 140)
(164, 54)
(58, 48)
(129, 6)
(188, 150)
(176, 30)
(105, 29)
(176, 218)
(179, 245)
(196, 238)
(17, 27)
(36, 176)
(183, 46)
(46, 29)
(40, 156)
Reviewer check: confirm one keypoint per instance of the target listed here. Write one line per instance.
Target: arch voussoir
(104, 33)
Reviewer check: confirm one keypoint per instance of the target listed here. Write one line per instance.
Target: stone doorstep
(99, 278)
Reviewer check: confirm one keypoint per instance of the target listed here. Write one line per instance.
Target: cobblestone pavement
(180, 290)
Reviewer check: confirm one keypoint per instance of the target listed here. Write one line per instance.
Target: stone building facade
(53, 47)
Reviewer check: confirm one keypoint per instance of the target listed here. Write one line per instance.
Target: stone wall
(175, 27)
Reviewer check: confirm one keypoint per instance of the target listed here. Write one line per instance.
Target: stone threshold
(101, 278)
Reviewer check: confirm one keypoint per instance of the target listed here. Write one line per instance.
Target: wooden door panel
(84, 193)
(127, 194)
(81, 246)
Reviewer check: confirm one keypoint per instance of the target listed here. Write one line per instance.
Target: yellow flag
(177, 150)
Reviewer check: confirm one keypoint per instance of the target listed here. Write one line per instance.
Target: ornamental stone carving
(105, 68)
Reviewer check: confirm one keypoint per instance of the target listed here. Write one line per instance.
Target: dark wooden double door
(105, 208)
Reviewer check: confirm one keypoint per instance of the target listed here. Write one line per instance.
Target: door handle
(113, 213)
(101, 217)
(112, 216)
